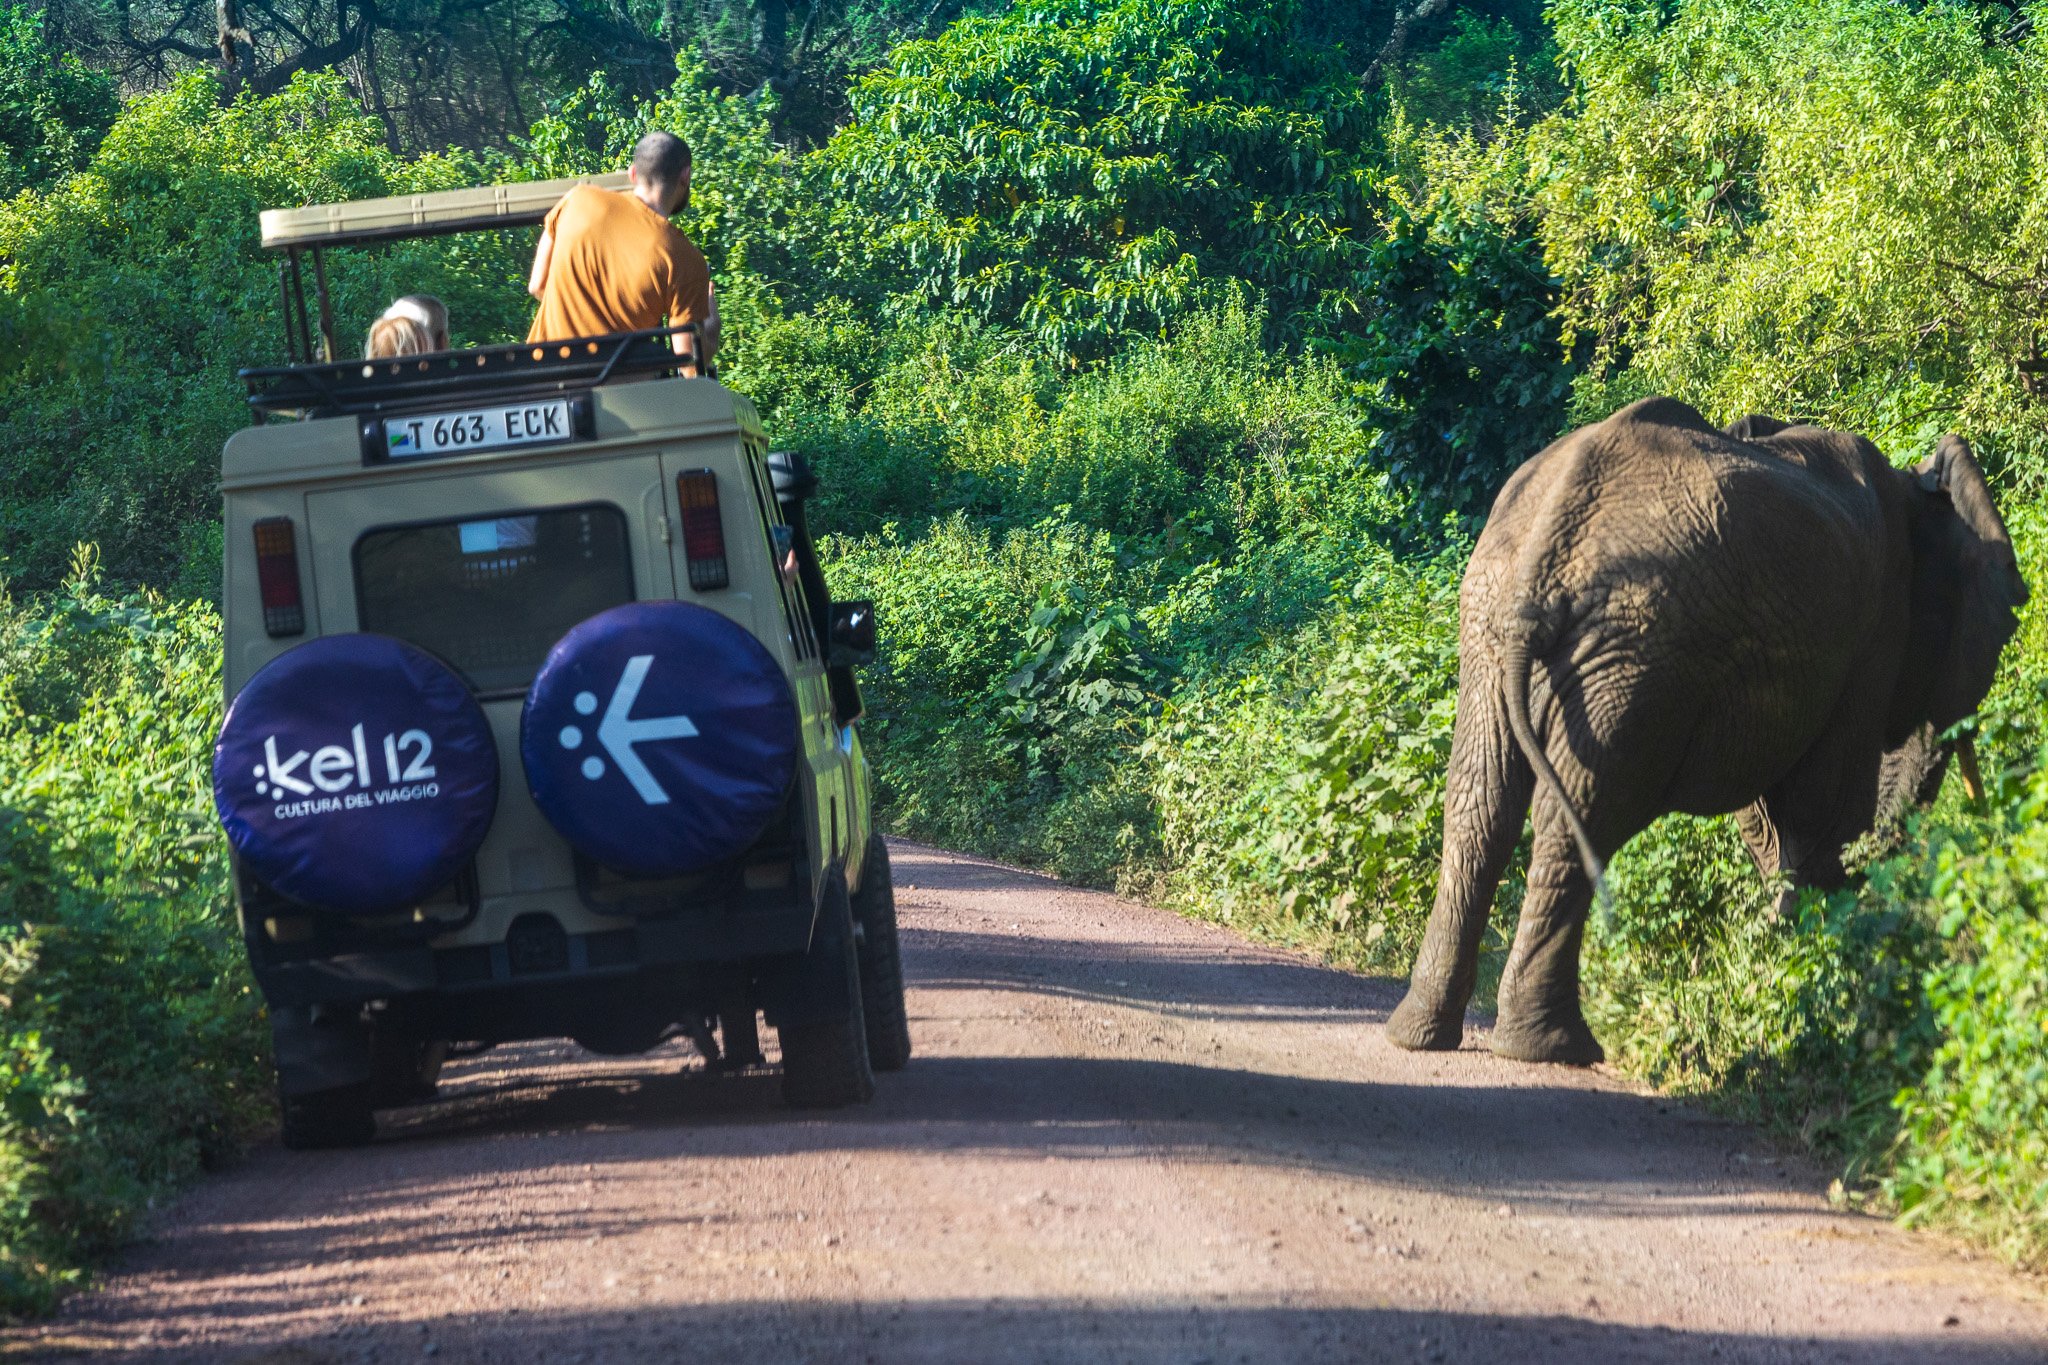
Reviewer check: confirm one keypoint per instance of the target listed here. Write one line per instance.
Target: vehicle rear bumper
(684, 939)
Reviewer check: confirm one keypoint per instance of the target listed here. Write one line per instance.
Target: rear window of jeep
(491, 595)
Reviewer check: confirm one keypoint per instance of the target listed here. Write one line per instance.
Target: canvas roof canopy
(422, 215)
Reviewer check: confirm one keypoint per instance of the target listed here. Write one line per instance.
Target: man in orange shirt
(614, 263)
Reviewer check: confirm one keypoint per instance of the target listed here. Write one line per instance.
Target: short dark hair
(661, 158)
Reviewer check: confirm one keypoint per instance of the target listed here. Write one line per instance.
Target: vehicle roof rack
(422, 215)
(509, 373)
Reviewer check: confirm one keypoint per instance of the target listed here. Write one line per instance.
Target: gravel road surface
(1125, 1137)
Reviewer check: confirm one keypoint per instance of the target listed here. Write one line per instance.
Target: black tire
(327, 1118)
(881, 962)
(825, 1064)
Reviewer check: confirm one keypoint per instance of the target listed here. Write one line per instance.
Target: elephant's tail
(1514, 659)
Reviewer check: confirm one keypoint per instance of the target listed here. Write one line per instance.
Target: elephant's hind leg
(1485, 797)
(1539, 1016)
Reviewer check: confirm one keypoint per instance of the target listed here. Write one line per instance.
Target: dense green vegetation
(53, 109)
(1161, 361)
(132, 1045)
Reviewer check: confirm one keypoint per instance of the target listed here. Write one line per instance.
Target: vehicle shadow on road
(1002, 1331)
(1532, 1149)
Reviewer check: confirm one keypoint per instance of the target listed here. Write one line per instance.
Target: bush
(1139, 525)
(1809, 1026)
(53, 110)
(1009, 689)
(1974, 1141)
(1197, 443)
(1306, 791)
(1723, 232)
(1461, 367)
(132, 1051)
(135, 289)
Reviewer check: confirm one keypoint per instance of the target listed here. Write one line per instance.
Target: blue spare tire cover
(355, 773)
(659, 738)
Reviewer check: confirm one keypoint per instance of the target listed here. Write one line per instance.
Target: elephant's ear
(1967, 587)
(1953, 470)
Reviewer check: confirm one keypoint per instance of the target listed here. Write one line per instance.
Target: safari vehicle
(541, 720)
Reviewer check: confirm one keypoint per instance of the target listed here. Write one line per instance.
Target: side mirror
(853, 634)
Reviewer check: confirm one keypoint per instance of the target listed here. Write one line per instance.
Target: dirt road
(1126, 1137)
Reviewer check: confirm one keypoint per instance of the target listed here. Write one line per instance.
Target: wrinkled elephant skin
(1661, 616)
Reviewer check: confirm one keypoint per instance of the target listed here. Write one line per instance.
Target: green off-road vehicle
(541, 720)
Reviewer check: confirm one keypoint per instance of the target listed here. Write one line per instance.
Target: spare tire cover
(355, 773)
(659, 738)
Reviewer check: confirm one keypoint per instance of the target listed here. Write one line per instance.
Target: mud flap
(810, 987)
(321, 1048)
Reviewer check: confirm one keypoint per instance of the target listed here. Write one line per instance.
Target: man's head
(660, 172)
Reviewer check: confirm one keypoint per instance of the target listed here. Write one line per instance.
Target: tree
(1861, 242)
(53, 110)
(131, 291)
(1087, 170)
(443, 73)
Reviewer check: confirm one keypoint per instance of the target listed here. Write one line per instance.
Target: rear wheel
(825, 1062)
(881, 963)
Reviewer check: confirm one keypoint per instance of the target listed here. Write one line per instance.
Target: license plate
(441, 433)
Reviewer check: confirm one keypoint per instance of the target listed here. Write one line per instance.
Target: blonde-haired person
(392, 337)
(413, 325)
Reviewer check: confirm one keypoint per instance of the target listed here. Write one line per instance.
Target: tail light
(277, 574)
(703, 532)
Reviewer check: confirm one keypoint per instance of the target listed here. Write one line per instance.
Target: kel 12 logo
(335, 768)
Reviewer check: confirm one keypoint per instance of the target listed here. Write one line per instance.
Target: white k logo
(619, 734)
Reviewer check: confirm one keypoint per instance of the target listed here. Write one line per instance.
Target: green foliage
(1086, 171)
(807, 59)
(132, 1050)
(1462, 367)
(1810, 1026)
(1974, 1145)
(1898, 1026)
(1195, 443)
(53, 110)
(1482, 68)
(1308, 788)
(137, 291)
(1855, 239)
(1008, 690)
(1074, 667)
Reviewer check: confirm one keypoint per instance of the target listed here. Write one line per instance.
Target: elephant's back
(1655, 492)
(1681, 574)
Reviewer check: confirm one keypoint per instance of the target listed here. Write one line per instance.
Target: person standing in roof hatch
(612, 262)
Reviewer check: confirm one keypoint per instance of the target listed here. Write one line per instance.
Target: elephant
(1661, 616)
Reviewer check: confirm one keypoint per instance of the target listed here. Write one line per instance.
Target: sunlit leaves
(1831, 211)
(1094, 171)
